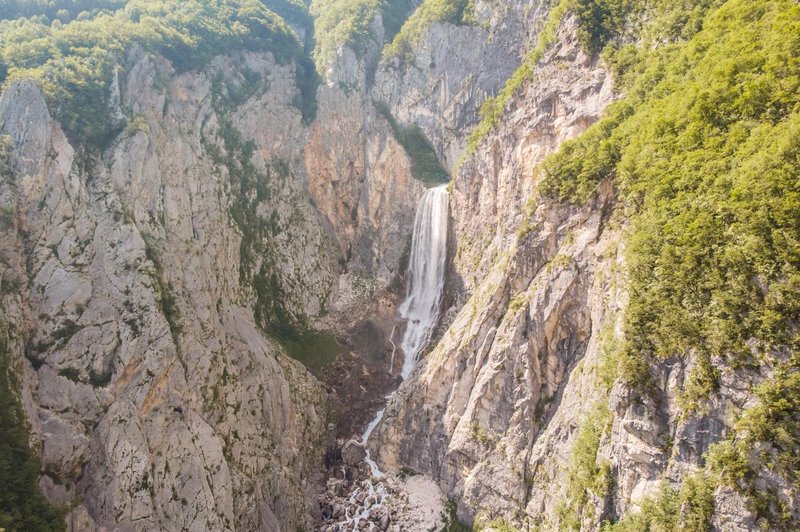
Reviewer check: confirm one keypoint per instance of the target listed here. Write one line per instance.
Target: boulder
(353, 452)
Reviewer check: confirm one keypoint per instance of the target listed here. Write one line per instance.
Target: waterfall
(423, 301)
(420, 309)
(426, 275)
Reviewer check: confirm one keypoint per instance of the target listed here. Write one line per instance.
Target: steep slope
(566, 391)
(158, 257)
(185, 201)
(437, 72)
(532, 309)
(156, 397)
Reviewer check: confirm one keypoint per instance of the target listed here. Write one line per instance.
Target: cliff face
(138, 285)
(441, 83)
(156, 399)
(517, 411)
(538, 291)
(359, 176)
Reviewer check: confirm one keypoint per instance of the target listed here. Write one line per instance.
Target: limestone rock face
(153, 394)
(141, 281)
(441, 84)
(139, 288)
(359, 176)
(473, 412)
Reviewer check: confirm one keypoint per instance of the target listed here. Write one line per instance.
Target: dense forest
(704, 150)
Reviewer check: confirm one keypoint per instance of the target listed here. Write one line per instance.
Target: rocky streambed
(356, 499)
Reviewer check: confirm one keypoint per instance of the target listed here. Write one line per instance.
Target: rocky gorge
(213, 316)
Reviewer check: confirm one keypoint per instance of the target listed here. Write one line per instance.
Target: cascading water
(420, 309)
(426, 275)
(423, 302)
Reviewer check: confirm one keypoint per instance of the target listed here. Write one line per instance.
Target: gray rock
(104, 393)
(353, 452)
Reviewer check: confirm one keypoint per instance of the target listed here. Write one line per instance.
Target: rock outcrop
(139, 283)
(447, 75)
(155, 396)
(157, 400)
(474, 410)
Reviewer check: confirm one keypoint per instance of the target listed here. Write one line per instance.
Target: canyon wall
(517, 410)
(138, 284)
(145, 290)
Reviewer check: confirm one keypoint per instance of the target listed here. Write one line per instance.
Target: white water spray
(426, 275)
(423, 302)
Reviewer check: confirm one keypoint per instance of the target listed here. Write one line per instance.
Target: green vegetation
(704, 152)
(341, 22)
(690, 509)
(22, 507)
(61, 10)
(347, 22)
(600, 20)
(73, 60)
(492, 109)
(250, 189)
(394, 14)
(460, 12)
(5, 169)
(164, 291)
(425, 166)
(315, 349)
(478, 433)
(292, 12)
(585, 474)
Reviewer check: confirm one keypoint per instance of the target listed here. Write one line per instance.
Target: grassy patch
(584, 474)
(315, 349)
(461, 12)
